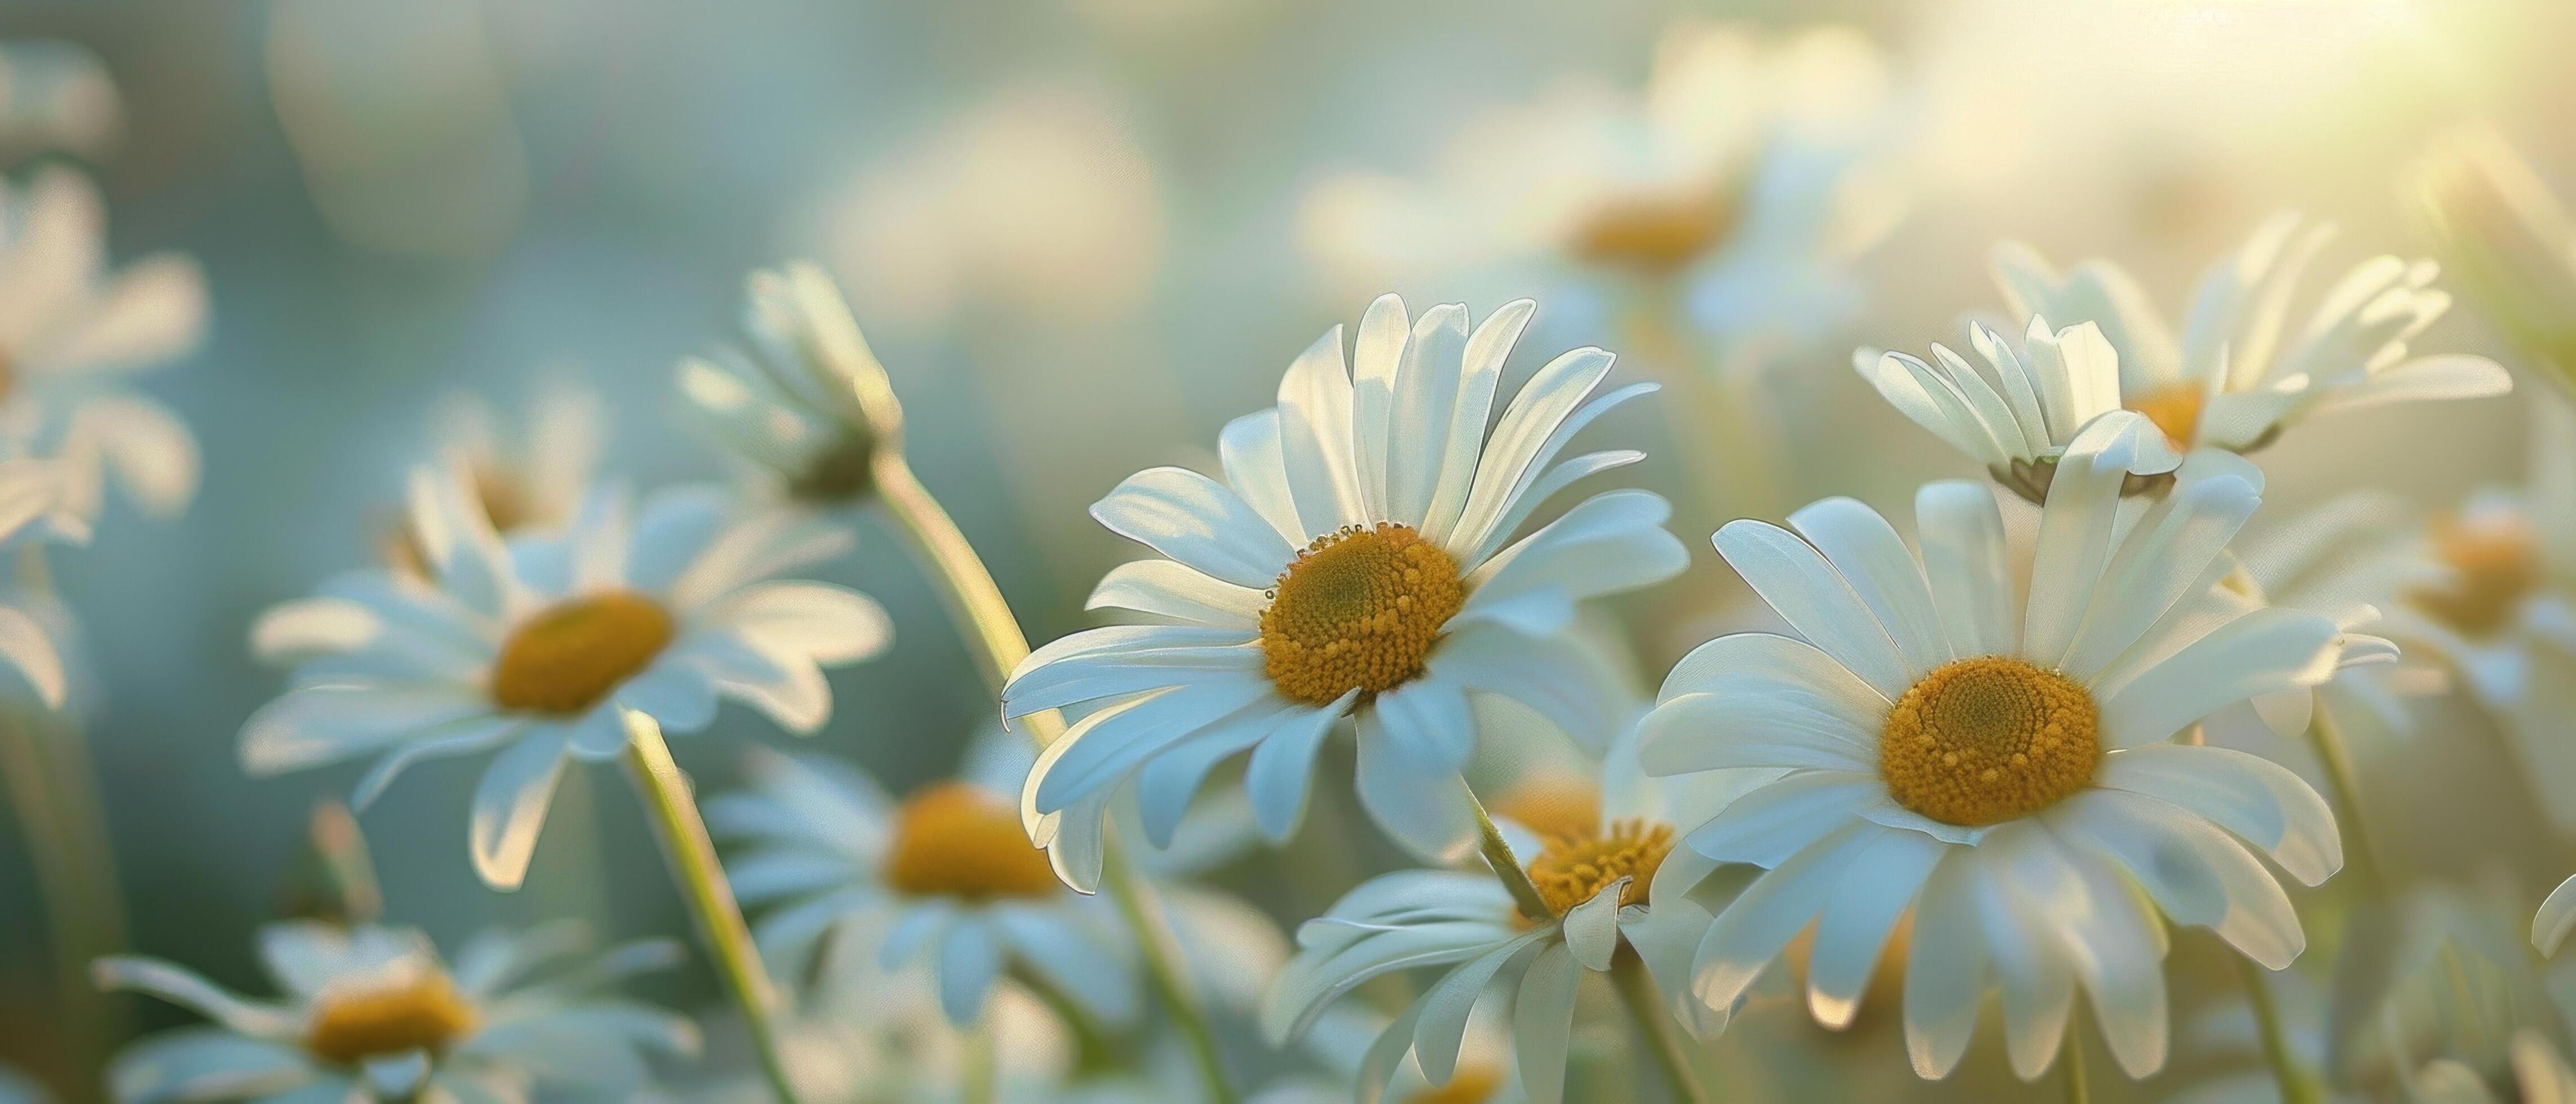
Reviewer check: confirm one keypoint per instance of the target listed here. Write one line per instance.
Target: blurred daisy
(1353, 563)
(2243, 369)
(1984, 736)
(2352, 559)
(529, 485)
(946, 874)
(70, 334)
(2540, 1076)
(1737, 169)
(778, 403)
(1612, 886)
(2018, 414)
(374, 1014)
(541, 647)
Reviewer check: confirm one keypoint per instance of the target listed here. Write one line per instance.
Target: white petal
(1315, 438)
(320, 724)
(2193, 871)
(1164, 588)
(1377, 354)
(1945, 969)
(183, 987)
(1752, 929)
(2161, 560)
(510, 806)
(1198, 521)
(1275, 780)
(2259, 800)
(2557, 917)
(1444, 1009)
(1462, 441)
(969, 961)
(1542, 1022)
(1248, 448)
(1968, 567)
(2262, 652)
(1411, 747)
(1770, 825)
(1812, 597)
(1853, 929)
(1099, 749)
(828, 624)
(1762, 726)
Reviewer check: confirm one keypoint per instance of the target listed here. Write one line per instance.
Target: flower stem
(1655, 1026)
(1507, 867)
(2297, 1084)
(982, 1074)
(701, 880)
(51, 784)
(975, 602)
(2361, 855)
(2078, 1090)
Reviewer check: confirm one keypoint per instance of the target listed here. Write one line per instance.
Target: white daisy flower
(946, 874)
(1985, 736)
(1352, 563)
(374, 1014)
(2241, 372)
(1739, 167)
(533, 484)
(779, 403)
(69, 335)
(1615, 882)
(541, 647)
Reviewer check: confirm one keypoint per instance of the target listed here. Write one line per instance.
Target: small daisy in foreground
(2243, 369)
(542, 648)
(533, 484)
(783, 403)
(946, 874)
(1985, 737)
(69, 335)
(1611, 886)
(374, 1014)
(1356, 561)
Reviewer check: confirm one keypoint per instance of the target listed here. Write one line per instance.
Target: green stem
(1507, 867)
(1655, 1026)
(2361, 853)
(2297, 1084)
(993, 632)
(701, 880)
(55, 791)
(2078, 1089)
(983, 1073)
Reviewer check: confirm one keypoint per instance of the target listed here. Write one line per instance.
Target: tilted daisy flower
(70, 335)
(1356, 561)
(541, 648)
(533, 484)
(2243, 369)
(780, 402)
(1613, 887)
(1984, 737)
(1742, 167)
(946, 875)
(374, 1014)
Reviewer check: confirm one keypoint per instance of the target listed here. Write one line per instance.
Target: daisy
(374, 1014)
(541, 648)
(1740, 168)
(1984, 737)
(792, 413)
(2242, 370)
(69, 336)
(1355, 562)
(1611, 887)
(530, 485)
(945, 874)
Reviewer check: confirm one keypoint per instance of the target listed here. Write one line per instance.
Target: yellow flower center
(954, 840)
(1358, 611)
(2495, 564)
(1984, 740)
(572, 654)
(1552, 803)
(423, 1012)
(1654, 233)
(2175, 410)
(1573, 869)
(1469, 1085)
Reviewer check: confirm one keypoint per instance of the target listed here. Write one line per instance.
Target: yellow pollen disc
(1552, 803)
(571, 654)
(1469, 1085)
(1656, 234)
(424, 1012)
(2175, 410)
(1572, 869)
(954, 840)
(1358, 611)
(1984, 740)
(2495, 563)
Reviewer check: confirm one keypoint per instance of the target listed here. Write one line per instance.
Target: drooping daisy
(530, 485)
(1611, 886)
(1356, 561)
(541, 647)
(782, 403)
(2243, 369)
(1984, 737)
(374, 1014)
(70, 334)
(946, 875)
(1739, 169)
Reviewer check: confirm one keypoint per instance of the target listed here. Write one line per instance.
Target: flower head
(532, 485)
(1355, 562)
(374, 1013)
(1982, 737)
(787, 402)
(548, 647)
